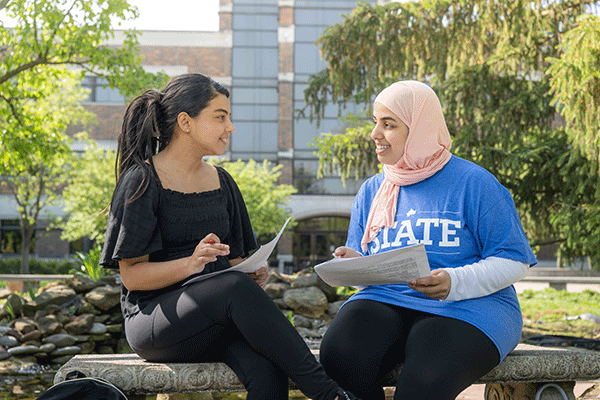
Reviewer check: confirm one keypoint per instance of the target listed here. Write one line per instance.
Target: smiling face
(389, 135)
(212, 127)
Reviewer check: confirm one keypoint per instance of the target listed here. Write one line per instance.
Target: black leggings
(229, 318)
(442, 356)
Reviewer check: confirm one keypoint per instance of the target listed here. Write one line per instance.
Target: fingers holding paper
(436, 286)
(261, 275)
(346, 252)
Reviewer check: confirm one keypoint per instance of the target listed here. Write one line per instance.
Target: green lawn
(545, 312)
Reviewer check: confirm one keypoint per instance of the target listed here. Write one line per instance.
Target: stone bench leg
(530, 391)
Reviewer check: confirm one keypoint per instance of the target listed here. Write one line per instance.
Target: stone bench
(560, 282)
(528, 373)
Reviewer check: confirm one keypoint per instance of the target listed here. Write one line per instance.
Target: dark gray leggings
(442, 356)
(229, 318)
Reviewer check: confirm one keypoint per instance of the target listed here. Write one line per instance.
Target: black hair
(150, 120)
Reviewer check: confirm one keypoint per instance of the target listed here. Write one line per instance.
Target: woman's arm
(470, 281)
(484, 277)
(140, 274)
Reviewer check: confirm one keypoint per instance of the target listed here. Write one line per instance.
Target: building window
(316, 238)
(10, 237)
(100, 92)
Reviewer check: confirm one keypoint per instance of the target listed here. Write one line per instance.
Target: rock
(329, 291)
(310, 302)
(98, 329)
(114, 328)
(123, 346)
(308, 333)
(83, 284)
(22, 350)
(104, 297)
(57, 295)
(277, 289)
(80, 324)
(24, 325)
(63, 351)
(8, 341)
(305, 281)
(49, 325)
(14, 304)
(333, 308)
(280, 304)
(111, 280)
(275, 276)
(116, 318)
(47, 347)
(101, 338)
(63, 359)
(302, 322)
(4, 354)
(87, 347)
(33, 335)
(60, 340)
(87, 308)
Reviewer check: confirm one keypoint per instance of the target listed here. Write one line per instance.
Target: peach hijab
(426, 151)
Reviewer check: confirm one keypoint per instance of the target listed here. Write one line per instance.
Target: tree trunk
(27, 236)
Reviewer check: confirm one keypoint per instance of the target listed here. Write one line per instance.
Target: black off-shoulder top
(168, 225)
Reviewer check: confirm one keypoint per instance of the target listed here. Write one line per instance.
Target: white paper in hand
(250, 264)
(395, 266)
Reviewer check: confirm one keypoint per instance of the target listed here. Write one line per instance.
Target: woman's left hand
(261, 275)
(436, 286)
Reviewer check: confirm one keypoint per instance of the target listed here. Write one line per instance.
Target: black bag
(77, 386)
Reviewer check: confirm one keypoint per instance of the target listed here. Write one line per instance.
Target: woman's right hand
(346, 252)
(205, 252)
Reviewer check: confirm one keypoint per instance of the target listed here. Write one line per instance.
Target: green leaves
(49, 36)
(575, 82)
(87, 196)
(349, 155)
(505, 72)
(264, 198)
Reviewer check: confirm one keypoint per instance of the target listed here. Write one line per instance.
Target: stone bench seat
(560, 282)
(527, 372)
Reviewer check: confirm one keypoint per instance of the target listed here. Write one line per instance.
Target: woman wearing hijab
(451, 328)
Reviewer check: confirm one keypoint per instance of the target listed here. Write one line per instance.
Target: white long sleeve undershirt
(484, 277)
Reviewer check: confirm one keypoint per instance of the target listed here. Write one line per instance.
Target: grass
(545, 312)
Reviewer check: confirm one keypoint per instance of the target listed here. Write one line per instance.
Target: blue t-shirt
(462, 214)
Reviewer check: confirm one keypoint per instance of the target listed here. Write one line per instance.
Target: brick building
(263, 52)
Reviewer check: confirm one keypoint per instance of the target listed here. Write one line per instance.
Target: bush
(39, 266)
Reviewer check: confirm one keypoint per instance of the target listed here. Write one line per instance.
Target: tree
(264, 199)
(87, 195)
(575, 82)
(51, 33)
(37, 180)
(56, 41)
(489, 62)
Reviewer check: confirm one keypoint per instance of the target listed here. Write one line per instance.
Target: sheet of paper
(250, 264)
(395, 266)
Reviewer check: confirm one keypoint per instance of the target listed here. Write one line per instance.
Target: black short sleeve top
(168, 225)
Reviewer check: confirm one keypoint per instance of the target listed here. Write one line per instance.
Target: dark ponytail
(150, 119)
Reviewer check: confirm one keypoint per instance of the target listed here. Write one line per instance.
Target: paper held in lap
(395, 266)
(250, 264)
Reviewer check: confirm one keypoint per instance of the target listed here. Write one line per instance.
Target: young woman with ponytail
(173, 217)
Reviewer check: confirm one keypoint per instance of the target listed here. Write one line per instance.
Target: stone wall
(80, 316)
